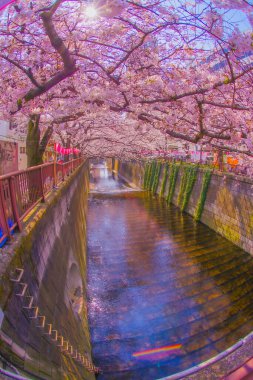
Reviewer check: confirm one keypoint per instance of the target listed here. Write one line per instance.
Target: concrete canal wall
(228, 208)
(51, 251)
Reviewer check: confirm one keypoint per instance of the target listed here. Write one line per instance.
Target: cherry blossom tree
(135, 74)
(35, 145)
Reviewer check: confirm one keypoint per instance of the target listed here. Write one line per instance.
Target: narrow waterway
(158, 279)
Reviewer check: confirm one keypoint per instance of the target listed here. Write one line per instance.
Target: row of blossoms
(136, 74)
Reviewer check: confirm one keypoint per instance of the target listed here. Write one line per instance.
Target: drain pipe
(12, 375)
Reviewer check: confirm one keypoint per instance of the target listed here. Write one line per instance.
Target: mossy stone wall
(228, 206)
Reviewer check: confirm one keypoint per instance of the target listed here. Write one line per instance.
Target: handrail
(12, 375)
(20, 191)
(247, 340)
(31, 168)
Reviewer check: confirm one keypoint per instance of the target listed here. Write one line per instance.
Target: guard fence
(20, 191)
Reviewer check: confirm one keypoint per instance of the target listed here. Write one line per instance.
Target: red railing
(21, 191)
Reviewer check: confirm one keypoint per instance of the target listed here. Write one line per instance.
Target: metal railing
(11, 375)
(20, 191)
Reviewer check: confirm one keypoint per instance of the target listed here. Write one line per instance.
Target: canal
(164, 292)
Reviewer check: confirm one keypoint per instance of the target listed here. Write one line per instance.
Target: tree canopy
(137, 73)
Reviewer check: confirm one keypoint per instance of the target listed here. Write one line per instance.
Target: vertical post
(3, 216)
(63, 171)
(42, 185)
(55, 173)
(14, 202)
(200, 154)
(220, 159)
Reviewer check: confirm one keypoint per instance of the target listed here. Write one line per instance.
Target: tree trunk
(33, 141)
(67, 145)
(35, 150)
(220, 159)
(34, 147)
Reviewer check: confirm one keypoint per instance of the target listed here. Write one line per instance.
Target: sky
(239, 18)
(3, 3)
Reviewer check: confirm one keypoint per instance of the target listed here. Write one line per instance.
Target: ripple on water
(156, 278)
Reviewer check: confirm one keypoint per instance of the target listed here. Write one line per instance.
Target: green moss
(230, 233)
(251, 222)
(156, 177)
(173, 173)
(182, 186)
(146, 175)
(187, 182)
(189, 186)
(164, 181)
(151, 175)
(201, 202)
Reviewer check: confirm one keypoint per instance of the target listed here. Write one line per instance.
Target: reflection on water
(102, 180)
(157, 279)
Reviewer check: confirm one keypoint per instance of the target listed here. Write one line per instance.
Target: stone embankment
(44, 326)
(224, 202)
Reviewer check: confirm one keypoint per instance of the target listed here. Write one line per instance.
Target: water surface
(157, 278)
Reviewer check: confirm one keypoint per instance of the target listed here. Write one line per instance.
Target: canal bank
(44, 330)
(227, 199)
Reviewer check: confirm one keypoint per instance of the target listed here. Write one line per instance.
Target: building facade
(12, 149)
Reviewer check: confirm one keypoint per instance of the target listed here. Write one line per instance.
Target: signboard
(8, 157)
